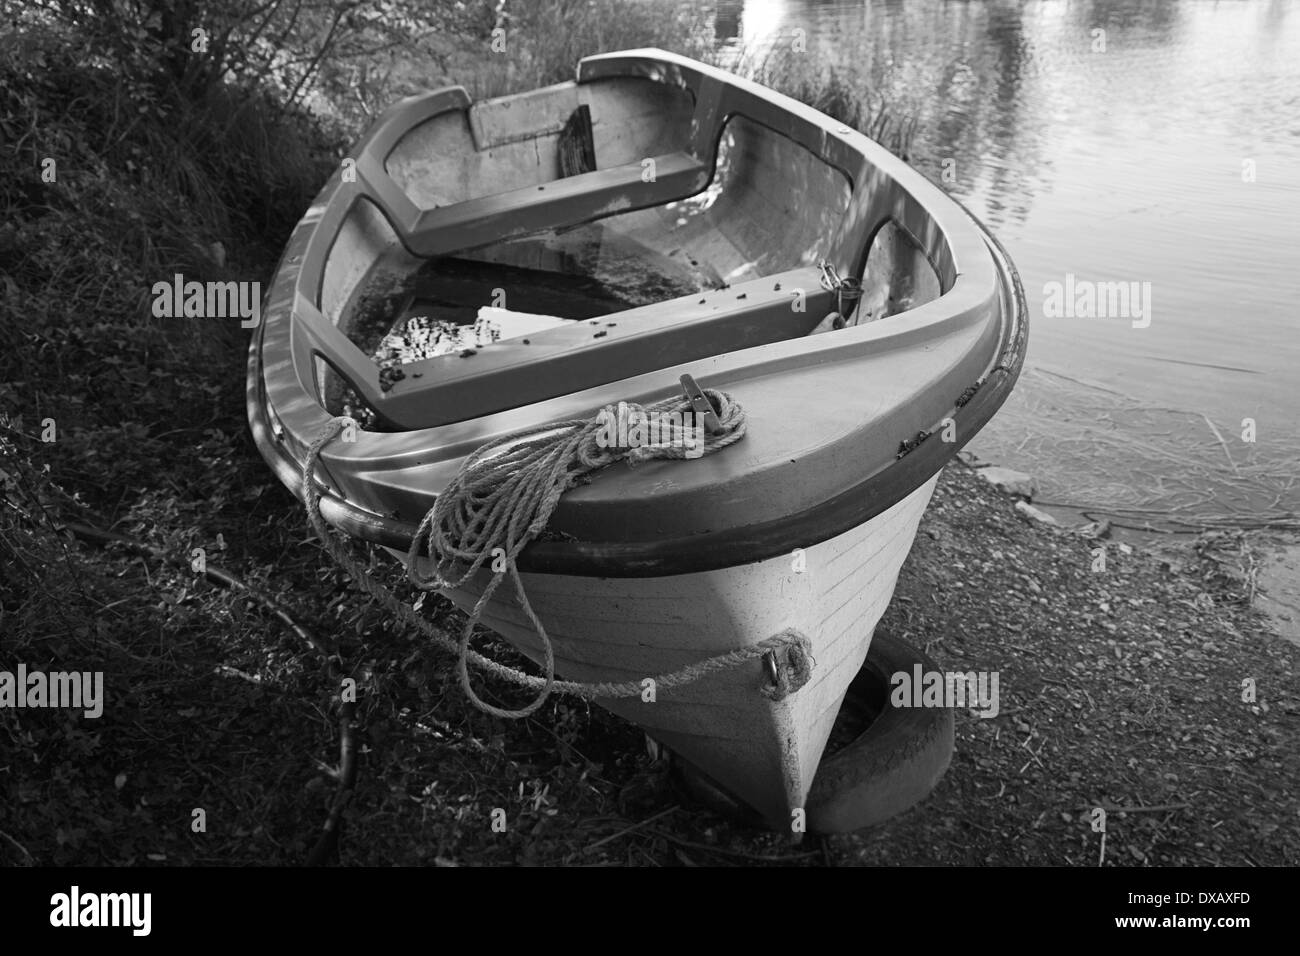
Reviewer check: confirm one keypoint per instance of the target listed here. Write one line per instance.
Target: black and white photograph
(761, 434)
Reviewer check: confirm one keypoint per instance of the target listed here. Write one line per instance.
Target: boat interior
(588, 232)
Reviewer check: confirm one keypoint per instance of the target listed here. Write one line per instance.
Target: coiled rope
(502, 498)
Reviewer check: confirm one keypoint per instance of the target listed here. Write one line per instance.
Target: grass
(838, 93)
(538, 53)
(146, 436)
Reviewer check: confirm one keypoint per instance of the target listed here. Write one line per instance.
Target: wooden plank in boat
(565, 202)
(580, 355)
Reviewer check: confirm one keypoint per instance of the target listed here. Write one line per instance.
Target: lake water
(1170, 157)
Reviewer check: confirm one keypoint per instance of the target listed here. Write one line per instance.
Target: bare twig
(212, 572)
(1222, 444)
(1160, 809)
(627, 830)
(23, 849)
(328, 843)
(325, 46)
(347, 772)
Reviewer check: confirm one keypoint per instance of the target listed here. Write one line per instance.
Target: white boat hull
(626, 629)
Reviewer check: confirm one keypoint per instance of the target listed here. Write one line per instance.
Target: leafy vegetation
(865, 107)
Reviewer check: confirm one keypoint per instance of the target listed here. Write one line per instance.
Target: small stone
(1095, 529)
(1031, 513)
(1009, 482)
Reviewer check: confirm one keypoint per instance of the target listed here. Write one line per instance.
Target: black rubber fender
(889, 767)
(893, 764)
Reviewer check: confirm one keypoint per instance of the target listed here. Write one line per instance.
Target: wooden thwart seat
(553, 205)
(579, 355)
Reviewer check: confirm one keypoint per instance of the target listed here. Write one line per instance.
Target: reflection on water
(1124, 155)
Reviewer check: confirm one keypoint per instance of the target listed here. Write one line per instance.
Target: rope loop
(794, 671)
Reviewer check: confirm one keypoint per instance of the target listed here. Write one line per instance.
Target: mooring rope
(502, 497)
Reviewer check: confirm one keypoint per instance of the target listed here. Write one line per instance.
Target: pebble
(1095, 529)
(1009, 481)
(1034, 514)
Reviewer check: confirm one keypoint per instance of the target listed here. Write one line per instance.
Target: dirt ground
(1121, 688)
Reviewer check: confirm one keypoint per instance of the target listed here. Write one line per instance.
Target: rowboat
(652, 219)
